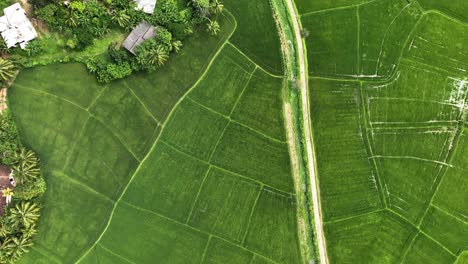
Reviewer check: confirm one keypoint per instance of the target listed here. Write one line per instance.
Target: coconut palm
(5, 230)
(158, 56)
(6, 248)
(176, 45)
(217, 7)
(7, 69)
(26, 172)
(26, 156)
(121, 18)
(25, 214)
(29, 231)
(20, 246)
(213, 27)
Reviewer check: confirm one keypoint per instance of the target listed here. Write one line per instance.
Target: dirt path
(309, 147)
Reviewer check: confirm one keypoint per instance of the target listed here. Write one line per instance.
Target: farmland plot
(388, 95)
(185, 165)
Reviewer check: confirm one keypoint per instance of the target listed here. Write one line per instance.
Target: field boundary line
(365, 126)
(419, 230)
(206, 249)
(78, 138)
(407, 247)
(411, 100)
(89, 114)
(44, 254)
(250, 59)
(137, 170)
(260, 190)
(198, 194)
(243, 90)
(97, 97)
(274, 189)
(353, 216)
(141, 102)
(449, 214)
(230, 119)
(335, 8)
(85, 186)
(115, 254)
(411, 157)
(196, 229)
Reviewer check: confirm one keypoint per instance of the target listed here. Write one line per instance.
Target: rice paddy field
(188, 164)
(388, 85)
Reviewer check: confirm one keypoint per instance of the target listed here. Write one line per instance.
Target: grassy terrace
(388, 94)
(188, 164)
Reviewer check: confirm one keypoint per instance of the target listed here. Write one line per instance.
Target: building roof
(146, 6)
(15, 26)
(141, 33)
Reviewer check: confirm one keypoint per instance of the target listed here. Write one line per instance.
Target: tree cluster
(172, 27)
(18, 224)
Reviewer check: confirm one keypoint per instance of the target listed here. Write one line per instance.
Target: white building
(15, 27)
(146, 6)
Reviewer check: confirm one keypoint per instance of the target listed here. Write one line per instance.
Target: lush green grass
(221, 252)
(225, 204)
(378, 237)
(123, 113)
(307, 6)
(173, 179)
(173, 166)
(194, 123)
(261, 105)
(220, 88)
(254, 34)
(271, 225)
(388, 125)
(347, 182)
(451, 232)
(425, 250)
(457, 8)
(246, 152)
(332, 44)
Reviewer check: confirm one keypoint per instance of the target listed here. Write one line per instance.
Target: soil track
(309, 144)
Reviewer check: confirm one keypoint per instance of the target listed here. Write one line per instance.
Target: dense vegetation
(18, 222)
(388, 92)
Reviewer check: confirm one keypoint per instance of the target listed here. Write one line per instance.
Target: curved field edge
(410, 125)
(101, 120)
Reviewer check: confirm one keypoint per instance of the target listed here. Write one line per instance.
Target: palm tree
(25, 156)
(121, 18)
(29, 231)
(5, 230)
(20, 246)
(158, 56)
(6, 248)
(7, 69)
(176, 45)
(217, 7)
(213, 27)
(25, 214)
(26, 172)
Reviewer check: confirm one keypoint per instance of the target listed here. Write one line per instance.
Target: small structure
(141, 33)
(15, 27)
(146, 6)
(5, 183)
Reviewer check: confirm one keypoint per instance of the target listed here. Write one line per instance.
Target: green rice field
(188, 164)
(388, 86)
